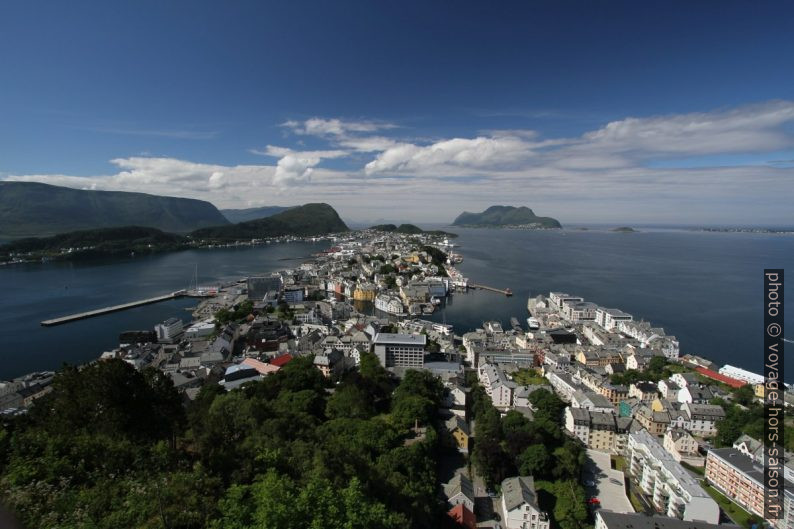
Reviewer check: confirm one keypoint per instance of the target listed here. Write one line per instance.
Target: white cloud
(334, 127)
(604, 174)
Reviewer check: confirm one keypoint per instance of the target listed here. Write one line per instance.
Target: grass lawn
(736, 513)
(636, 503)
(619, 463)
(528, 377)
(697, 470)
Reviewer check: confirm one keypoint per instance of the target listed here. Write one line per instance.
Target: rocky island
(506, 217)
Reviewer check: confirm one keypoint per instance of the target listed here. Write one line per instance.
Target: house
(261, 367)
(520, 504)
(591, 401)
(460, 491)
(237, 375)
(331, 362)
(669, 389)
(703, 418)
(645, 391)
(695, 393)
(460, 432)
(656, 422)
(683, 447)
(463, 516)
(603, 431)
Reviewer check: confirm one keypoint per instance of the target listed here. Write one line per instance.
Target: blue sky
(586, 111)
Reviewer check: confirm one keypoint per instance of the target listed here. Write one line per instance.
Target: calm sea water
(705, 288)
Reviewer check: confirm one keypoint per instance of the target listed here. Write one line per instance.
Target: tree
(411, 409)
(535, 461)
(349, 401)
(547, 405)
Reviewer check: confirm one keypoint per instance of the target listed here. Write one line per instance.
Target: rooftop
(387, 338)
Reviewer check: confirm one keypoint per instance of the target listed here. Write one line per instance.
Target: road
(608, 484)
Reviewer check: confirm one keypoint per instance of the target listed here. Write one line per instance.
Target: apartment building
(603, 431)
(400, 350)
(741, 480)
(671, 489)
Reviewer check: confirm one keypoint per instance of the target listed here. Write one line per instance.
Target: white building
(400, 350)
(169, 331)
(741, 374)
(520, 504)
(672, 490)
(609, 318)
(614, 520)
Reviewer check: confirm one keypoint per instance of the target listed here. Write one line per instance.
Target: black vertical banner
(773, 394)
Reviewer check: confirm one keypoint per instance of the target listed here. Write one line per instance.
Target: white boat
(533, 323)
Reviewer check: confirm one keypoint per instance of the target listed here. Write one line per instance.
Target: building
(671, 489)
(683, 447)
(741, 374)
(460, 491)
(463, 516)
(742, 481)
(644, 391)
(260, 286)
(609, 318)
(520, 504)
(603, 431)
(614, 520)
(400, 350)
(170, 331)
(460, 433)
(703, 418)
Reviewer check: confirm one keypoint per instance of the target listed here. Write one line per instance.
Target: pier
(114, 308)
(506, 291)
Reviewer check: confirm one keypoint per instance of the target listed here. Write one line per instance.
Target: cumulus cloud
(613, 171)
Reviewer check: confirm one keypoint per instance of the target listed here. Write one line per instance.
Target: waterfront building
(400, 350)
(169, 331)
(520, 504)
(741, 374)
(556, 299)
(741, 480)
(672, 490)
(609, 318)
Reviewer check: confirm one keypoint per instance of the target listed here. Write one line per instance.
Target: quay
(506, 291)
(114, 308)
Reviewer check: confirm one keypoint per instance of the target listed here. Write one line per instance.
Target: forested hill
(113, 447)
(29, 209)
(301, 221)
(496, 216)
(244, 215)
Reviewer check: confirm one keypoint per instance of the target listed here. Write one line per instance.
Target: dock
(108, 310)
(506, 291)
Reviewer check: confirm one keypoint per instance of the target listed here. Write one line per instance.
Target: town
(581, 394)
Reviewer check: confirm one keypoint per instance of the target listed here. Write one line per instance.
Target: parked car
(615, 481)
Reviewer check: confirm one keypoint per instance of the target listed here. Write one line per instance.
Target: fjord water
(703, 287)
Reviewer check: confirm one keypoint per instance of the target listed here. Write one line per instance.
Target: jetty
(114, 308)
(506, 291)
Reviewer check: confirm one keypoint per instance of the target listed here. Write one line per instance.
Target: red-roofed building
(261, 367)
(713, 375)
(281, 361)
(463, 516)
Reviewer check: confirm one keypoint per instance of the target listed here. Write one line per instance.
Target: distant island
(243, 215)
(30, 209)
(624, 229)
(309, 220)
(506, 217)
(410, 229)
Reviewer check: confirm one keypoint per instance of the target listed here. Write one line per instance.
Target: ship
(533, 324)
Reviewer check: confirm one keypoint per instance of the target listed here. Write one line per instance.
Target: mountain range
(496, 216)
(301, 221)
(30, 209)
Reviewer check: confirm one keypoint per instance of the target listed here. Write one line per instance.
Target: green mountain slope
(306, 220)
(29, 209)
(496, 216)
(244, 215)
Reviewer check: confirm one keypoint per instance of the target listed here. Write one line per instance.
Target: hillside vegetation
(244, 215)
(29, 209)
(301, 221)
